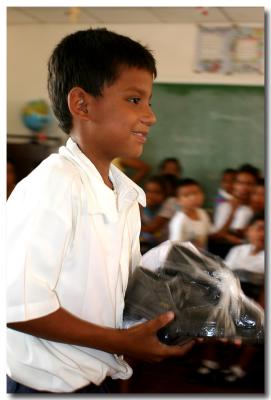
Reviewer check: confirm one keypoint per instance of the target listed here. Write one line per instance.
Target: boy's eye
(135, 100)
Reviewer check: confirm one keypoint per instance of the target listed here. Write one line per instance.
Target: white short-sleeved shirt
(240, 219)
(183, 228)
(71, 242)
(242, 257)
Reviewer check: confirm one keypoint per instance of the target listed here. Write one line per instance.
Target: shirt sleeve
(242, 217)
(207, 221)
(39, 226)
(231, 257)
(222, 213)
(176, 227)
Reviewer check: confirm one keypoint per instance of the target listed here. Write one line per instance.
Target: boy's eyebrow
(138, 90)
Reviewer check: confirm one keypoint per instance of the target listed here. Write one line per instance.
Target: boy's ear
(78, 103)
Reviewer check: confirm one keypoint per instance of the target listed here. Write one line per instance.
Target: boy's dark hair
(91, 59)
(171, 183)
(159, 180)
(250, 169)
(259, 216)
(188, 182)
(229, 171)
(170, 159)
(260, 182)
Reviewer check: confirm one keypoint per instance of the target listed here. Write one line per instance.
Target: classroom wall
(29, 48)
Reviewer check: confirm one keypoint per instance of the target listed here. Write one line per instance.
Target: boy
(226, 186)
(73, 225)
(155, 189)
(248, 259)
(171, 166)
(192, 223)
(231, 216)
(258, 196)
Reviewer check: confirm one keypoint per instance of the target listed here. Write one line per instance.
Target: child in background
(171, 166)
(73, 226)
(155, 189)
(250, 257)
(192, 223)
(257, 196)
(226, 186)
(231, 216)
(167, 210)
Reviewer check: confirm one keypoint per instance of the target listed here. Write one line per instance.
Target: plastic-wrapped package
(203, 292)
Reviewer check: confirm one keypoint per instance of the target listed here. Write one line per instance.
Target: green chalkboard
(208, 128)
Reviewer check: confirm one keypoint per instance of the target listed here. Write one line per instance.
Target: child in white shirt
(226, 186)
(192, 223)
(248, 259)
(73, 226)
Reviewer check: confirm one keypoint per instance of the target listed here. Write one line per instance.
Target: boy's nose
(149, 117)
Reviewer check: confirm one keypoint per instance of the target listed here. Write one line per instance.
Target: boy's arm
(157, 223)
(141, 168)
(138, 342)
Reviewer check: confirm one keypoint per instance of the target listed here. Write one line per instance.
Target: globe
(36, 115)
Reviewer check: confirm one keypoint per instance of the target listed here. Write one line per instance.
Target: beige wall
(29, 48)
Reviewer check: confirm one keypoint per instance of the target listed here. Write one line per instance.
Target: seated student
(249, 257)
(257, 196)
(226, 186)
(191, 223)
(155, 189)
(232, 216)
(171, 166)
(167, 209)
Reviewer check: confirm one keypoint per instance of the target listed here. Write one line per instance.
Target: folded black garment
(204, 294)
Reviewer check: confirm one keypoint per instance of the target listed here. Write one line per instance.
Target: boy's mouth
(141, 136)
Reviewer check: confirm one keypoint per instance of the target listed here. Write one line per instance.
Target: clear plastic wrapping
(203, 292)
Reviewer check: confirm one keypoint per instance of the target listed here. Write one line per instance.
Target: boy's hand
(141, 341)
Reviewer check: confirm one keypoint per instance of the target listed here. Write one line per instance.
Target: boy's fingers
(181, 349)
(161, 320)
(237, 342)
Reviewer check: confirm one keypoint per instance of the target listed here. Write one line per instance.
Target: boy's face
(171, 168)
(227, 181)
(122, 116)
(255, 234)
(257, 198)
(190, 197)
(154, 194)
(243, 185)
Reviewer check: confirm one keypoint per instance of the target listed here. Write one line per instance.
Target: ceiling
(130, 15)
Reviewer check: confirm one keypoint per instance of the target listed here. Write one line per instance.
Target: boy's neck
(102, 165)
(191, 213)
(103, 170)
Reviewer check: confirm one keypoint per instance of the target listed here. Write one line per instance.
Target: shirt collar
(101, 196)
